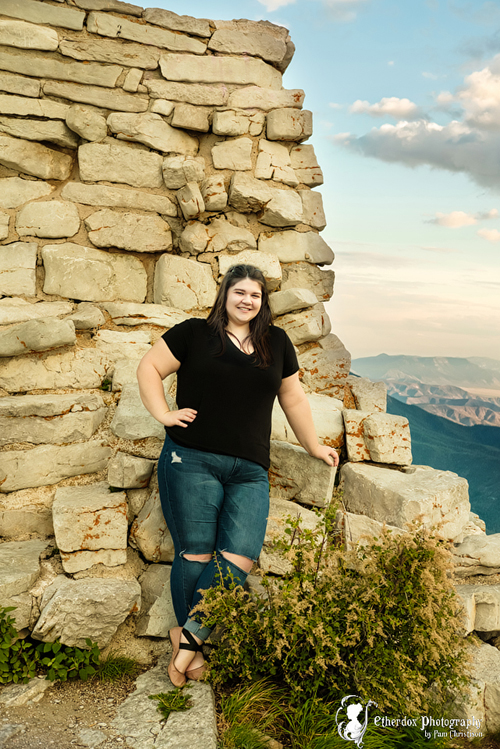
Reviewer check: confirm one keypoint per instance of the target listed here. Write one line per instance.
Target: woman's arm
(157, 364)
(297, 410)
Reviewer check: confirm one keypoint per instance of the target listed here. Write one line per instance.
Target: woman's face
(243, 301)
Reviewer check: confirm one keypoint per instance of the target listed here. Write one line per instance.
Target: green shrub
(380, 624)
(172, 702)
(68, 662)
(18, 660)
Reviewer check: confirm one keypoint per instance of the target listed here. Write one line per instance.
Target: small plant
(115, 667)
(172, 702)
(249, 712)
(18, 659)
(106, 384)
(66, 662)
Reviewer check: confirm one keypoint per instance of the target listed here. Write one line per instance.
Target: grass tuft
(115, 667)
(172, 702)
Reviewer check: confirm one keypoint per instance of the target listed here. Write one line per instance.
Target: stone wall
(141, 154)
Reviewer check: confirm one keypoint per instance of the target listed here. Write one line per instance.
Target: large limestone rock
(268, 264)
(191, 118)
(50, 130)
(90, 526)
(79, 369)
(294, 474)
(305, 165)
(33, 158)
(368, 396)
(43, 66)
(117, 345)
(254, 97)
(233, 154)
(52, 219)
(18, 268)
(36, 12)
(179, 170)
(115, 163)
(478, 555)
(86, 122)
(325, 366)
(434, 498)
(255, 43)
(129, 472)
(19, 566)
(313, 213)
(125, 313)
(291, 300)
(132, 421)
(86, 316)
(113, 26)
(307, 276)
(49, 464)
(73, 610)
(128, 231)
(360, 530)
(157, 611)
(118, 197)
(478, 709)
(36, 335)
(190, 200)
(184, 284)
(292, 247)
(107, 98)
(247, 194)
(20, 106)
(304, 326)
(57, 419)
(15, 309)
(185, 24)
(149, 533)
(289, 124)
(152, 130)
(213, 192)
(481, 605)
(218, 236)
(15, 191)
(230, 122)
(92, 275)
(198, 94)
(327, 417)
(106, 50)
(117, 5)
(380, 437)
(284, 209)
(279, 512)
(19, 84)
(220, 69)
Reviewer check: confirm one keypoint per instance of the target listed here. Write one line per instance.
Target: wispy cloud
(491, 235)
(334, 105)
(400, 109)
(440, 250)
(343, 10)
(271, 5)
(457, 219)
(432, 76)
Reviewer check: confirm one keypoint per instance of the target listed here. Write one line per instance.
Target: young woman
(212, 472)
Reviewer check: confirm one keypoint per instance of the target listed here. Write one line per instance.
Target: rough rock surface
(296, 475)
(129, 471)
(184, 284)
(157, 611)
(36, 335)
(117, 163)
(292, 247)
(128, 231)
(279, 511)
(478, 555)
(368, 396)
(18, 268)
(327, 417)
(380, 437)
(19, 566)
(149, 533)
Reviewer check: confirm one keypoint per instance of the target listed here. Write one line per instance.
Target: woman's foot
(187, 660)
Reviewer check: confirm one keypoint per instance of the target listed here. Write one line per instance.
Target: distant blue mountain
(432, 370)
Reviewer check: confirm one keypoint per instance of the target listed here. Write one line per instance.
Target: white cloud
(391, 62)
(492, 235)
(343, 10)
(400, 109)
(334, 105)
(271, 5)
(432, 76)
(487, 214)
(453, 220)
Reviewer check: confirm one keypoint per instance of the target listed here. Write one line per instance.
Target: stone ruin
(141, 154)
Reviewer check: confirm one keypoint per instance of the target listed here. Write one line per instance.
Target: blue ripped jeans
(211, 503)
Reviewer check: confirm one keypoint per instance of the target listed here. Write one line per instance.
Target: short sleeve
(290, 362)
(178, 339)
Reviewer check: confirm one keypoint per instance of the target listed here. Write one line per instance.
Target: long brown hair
(259, 326)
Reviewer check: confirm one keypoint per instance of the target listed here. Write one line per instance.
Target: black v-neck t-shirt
(233, 397)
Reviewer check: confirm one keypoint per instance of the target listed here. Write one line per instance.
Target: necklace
(240, 343)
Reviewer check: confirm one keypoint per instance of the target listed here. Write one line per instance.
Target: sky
(405, 96)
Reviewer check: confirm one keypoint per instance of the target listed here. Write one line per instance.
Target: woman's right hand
(181, 418)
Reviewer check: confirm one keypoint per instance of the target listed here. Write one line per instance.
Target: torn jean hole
(175, 458)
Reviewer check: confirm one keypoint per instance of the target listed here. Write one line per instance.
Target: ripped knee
(244, 563)
(197, 557)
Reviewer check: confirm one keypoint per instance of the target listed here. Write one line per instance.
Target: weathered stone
(133, 79)
(47, 465)
(19, 566)
(190, 68)
(57, 419)
(153, 131)
(149, 533)
(327, 417)
(54, 132)
(132, 421)
(291, 300)
(302, 327)
(190, 200)
(87, 274)
(368, 396)
(74, 610)
(213, 192)
(294, 474)
(312, 209)
(118, 197)
(128, 231)
(247, 194)
(51, 219)
(169, 20)
(31, 10)
(87, 123)
(254, 97)
(229, 122)
(113, 26)
(129, 472)
(157, 610)
(21, 616)
(179, 170)
(119, 7)
(273, 162)
(163, 107)
(117, 345)
(27, 35)
(184, 284)
(86, 316)
(33, 63)
(233, 154)
(191, 117)
(15, 309)
(192, 93)
(19, 84)
(4, 225)
(309, 276)
(305, 165)
(437, 499)
(81, 369)
(33, 158)
(125, 313)
(268, 264)
(324, 370)
(482, 607)
(380, 437)
(256, 43)
(36, 335)
(360, 530)
(222, 235)
(116, 163)
(478, 555)
(284, 209)
(106, 50)
(26, 512)
(280, 510)
(107, 98)
(289, 124)
(477, 705)
(15, 191)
